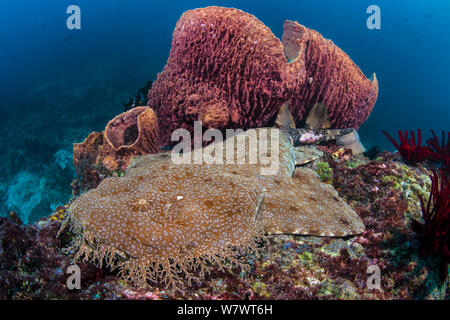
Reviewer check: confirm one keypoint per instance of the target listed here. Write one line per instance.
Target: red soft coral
(440, 151)
(436, 215)
(409, 150)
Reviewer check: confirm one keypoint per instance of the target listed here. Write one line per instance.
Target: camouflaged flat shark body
(292, 200)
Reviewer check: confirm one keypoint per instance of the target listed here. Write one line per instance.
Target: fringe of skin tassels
(175, 273)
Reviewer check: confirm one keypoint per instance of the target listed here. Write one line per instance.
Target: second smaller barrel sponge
(135, 132)
(227, 69)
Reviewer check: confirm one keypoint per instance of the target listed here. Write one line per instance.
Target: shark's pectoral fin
(306, 206)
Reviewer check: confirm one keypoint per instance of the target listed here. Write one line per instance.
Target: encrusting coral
(227, 69)
(164, 221)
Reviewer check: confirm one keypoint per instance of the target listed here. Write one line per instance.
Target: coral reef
(134, 132)
(325, 172)
(228, 70)
(227, 231)
(384, 192)
(165, 219)
(25, 193)
(225, 68)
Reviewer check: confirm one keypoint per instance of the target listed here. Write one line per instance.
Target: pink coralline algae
(228, 70)
(32, 265)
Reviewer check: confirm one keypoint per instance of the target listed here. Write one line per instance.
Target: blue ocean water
(58, 85)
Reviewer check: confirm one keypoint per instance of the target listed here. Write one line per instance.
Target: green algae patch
(354, 163)
(324, 171)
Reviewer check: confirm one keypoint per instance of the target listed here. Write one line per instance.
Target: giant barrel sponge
(228, 70)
